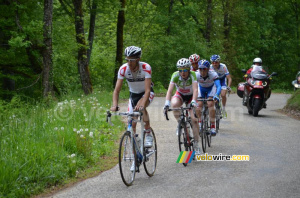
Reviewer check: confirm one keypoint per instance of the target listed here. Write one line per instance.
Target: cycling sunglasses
(130, 60)
(203, 68)
(183, 70)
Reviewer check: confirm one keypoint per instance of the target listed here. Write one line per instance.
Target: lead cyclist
(138, 76)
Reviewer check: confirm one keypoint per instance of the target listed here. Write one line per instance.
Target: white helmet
(183, 63)
(133, 51)
(257, 60)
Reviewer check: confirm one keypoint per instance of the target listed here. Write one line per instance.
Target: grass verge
(54, 145)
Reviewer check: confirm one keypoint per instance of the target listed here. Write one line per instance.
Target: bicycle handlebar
(176, 109)
(109, 114)
(205, 99)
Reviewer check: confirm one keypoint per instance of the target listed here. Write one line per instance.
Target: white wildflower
(91, 134)
(86, 129)
(78, 132)
(55, 128)
(81, 136)
(74, 129)
(73, 155)
(86, 119)
(62, 128)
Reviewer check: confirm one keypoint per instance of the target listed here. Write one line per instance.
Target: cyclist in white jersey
(138, 76)
(186, 92)
(194, 59)
(224, 75)
(209, 87)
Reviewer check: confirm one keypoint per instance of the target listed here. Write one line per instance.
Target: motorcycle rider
(297, 81)
(257, 64)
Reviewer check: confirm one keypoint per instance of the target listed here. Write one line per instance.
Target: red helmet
(194, 58)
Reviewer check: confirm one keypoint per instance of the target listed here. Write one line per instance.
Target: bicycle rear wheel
(218, 117)
(127, 159)
(203, 132)
(150, 157)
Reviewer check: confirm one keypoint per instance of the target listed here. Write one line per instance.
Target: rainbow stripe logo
(185, 157)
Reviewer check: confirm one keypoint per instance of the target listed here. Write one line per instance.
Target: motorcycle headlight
(265, 83)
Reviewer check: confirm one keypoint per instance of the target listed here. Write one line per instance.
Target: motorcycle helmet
(257, 60)
(183, 63)
(133, 51)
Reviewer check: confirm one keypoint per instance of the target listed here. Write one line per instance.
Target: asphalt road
(271, 140)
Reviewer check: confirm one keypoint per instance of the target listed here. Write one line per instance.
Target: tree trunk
(168, 31)
(226, 18)
(208, 21)
(296, 7)
(47, 52)
(83, 68)
(120, 30)
(93, 12)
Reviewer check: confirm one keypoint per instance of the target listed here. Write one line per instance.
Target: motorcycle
(296, 83)
(256, 90)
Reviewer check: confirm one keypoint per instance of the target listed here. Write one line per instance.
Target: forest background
(58, 46)
(58, 64)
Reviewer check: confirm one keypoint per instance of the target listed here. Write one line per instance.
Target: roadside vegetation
(294, 102)
(44, 145)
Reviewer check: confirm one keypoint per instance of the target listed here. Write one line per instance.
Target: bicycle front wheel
(127, 159)
(182, 139)
(150, 155)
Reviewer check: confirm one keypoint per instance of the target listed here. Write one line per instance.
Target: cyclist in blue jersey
(224, 75)
(208, 87)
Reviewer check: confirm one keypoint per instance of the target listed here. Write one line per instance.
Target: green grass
(45, 145)
(294, 101)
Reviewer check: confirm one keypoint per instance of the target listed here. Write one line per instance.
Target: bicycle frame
(131, 117)
(184, 117)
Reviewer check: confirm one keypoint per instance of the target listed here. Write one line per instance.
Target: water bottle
(138, 144)
(138, 140)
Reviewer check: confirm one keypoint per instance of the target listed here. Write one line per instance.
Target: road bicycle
(219, 111)
(131, 154)
(184, 129)
(204, 126)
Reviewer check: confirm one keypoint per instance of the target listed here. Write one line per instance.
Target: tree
(120, 30)
(93, 12)
(83, 68)
(47, 52)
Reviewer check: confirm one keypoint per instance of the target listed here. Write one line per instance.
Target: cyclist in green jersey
(186, 92)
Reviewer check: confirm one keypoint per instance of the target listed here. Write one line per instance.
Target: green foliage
(42, 146)
(294, 101)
